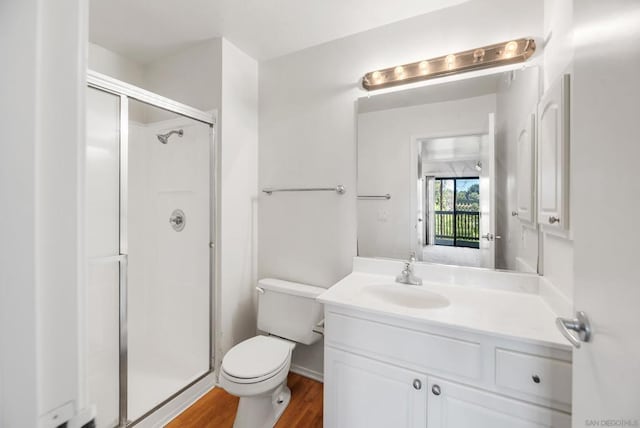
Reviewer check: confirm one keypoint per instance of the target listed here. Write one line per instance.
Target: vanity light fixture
(510, 52)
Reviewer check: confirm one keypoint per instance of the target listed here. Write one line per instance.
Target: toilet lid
(256, 357)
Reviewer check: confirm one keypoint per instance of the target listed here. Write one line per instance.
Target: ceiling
(145, 30)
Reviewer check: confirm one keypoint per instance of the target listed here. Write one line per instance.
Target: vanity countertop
(512, 314)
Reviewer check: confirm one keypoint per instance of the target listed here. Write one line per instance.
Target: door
(105, 262)
(429, 210)
(362, 393)
(605, 154)
(526, 169)
(553, 161)
(455, 406)
(421, 215)
(149, 228)
(168, 228)
(487, 198)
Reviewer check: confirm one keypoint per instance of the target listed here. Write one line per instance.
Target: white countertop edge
(408, 318)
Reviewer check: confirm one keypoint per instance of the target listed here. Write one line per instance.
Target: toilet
(256, 369)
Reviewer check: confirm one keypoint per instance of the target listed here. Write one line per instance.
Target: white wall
(42, 112)
(114, 65)
(557, 252)
(192, 76)
(168, 272)
(558, 52)
(384, 166)
(517, 98)
(307, 131)
(238, 185)
(18, 374)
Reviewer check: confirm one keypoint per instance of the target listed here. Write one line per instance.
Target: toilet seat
(261, 379)
(257, 359)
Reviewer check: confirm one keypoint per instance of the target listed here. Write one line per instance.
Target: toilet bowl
(256, 369)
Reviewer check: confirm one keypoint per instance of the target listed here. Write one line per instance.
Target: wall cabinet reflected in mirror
(459, 161)
(553, 155)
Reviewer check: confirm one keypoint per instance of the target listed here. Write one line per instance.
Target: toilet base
(262, 411)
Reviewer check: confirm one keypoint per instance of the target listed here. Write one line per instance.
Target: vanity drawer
(533, 375)
(419, 350)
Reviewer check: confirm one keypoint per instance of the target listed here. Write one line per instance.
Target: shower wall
(168, 284)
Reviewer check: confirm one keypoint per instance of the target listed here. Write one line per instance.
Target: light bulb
(399, 71)
(424, 67)
(376, 75)
(510, 48)
(478, 55)
(450, 59)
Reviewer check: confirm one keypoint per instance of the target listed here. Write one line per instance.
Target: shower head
(164, 138)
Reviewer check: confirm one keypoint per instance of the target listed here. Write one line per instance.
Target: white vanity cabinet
(382, 372)
(364, 393)
(453, 405)
(553, 157)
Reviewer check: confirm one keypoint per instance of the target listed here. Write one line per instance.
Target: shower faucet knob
(177, 220)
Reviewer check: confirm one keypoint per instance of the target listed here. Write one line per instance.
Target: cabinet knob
(535, 378)
(417, 384)
(554, 220)
(514, 213)
(435, 389)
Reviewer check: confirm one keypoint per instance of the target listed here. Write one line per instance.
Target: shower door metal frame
(125, 92)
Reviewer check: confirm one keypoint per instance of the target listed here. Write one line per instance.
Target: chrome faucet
(407, 276)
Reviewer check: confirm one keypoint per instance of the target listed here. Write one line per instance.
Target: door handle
(580, 324)
(491, 237)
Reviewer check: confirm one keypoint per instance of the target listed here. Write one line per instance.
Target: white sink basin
(402, 295)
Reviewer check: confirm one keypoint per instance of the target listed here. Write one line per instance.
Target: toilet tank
(289, 310)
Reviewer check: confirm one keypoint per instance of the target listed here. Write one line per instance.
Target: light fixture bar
(510, 52)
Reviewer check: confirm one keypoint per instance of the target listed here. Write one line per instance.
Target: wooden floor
(217, 408)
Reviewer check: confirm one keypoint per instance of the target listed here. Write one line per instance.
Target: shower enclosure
(150, 209)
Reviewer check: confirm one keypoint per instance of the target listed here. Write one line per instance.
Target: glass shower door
(168, 235)
(149, 223)
(103, 248)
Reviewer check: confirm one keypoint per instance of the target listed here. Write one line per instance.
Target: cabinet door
(456, 406)
(553, 156)
(526, 170)
(362, 393)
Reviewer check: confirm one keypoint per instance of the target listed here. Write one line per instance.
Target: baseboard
(303, 371)
(179, 404)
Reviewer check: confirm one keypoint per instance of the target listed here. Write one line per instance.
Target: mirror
(447, 171)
